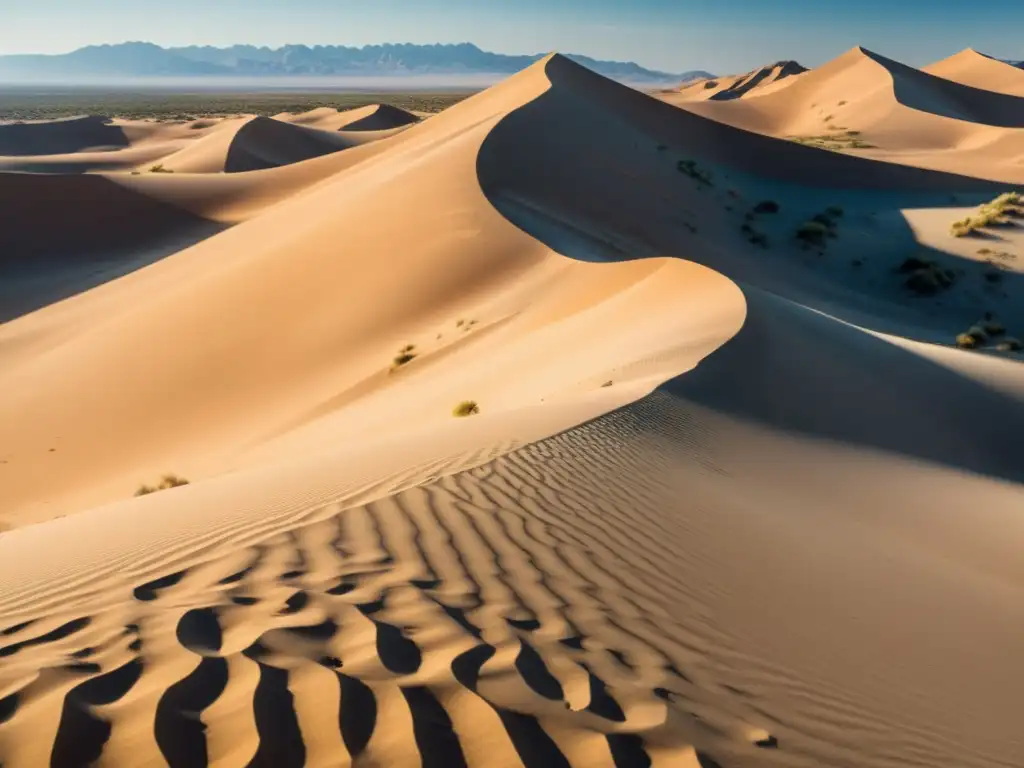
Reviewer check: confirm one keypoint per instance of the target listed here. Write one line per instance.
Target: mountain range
(141, 59)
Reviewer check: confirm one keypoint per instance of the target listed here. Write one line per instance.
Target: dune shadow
(59, 137)
(871, 394)
(267, 143)
(63, 235)
(928, 93)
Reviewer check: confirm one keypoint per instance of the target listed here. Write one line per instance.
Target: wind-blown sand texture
(727, 501)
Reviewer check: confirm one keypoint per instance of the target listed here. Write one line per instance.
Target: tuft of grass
(466, 408)
(766, 206)
(166, 482)
(966, 341)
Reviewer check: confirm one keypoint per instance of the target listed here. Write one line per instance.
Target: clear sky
(722, 36)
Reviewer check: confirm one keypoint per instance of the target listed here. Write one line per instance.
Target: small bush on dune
(166, 482)
(159, 168)
(466, 408)
(402, 358)
(813, 232)
(966, 341)
(834, 211)
(1009, 344)
(766, 206)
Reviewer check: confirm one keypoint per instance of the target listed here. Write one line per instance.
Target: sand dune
(724, 503)
(754, 83)
(256, 143)
(374, 117)
(969, 67)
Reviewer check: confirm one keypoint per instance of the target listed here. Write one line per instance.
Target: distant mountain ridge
(140, 59)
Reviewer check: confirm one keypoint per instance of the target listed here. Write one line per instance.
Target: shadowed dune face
(56, 137)
(65, 234)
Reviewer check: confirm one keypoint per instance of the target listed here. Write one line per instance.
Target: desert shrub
(966, 341)
(402, 358)
(607, 383)
(166, 482)
(759, 238)
(834, 211)
(998, 211)
(766, 206)
(924, 282)
(159, 168)
(1009, 344)
(466, 408)
(710, 84)
(813, 232)
(993, 275)
(841, 103)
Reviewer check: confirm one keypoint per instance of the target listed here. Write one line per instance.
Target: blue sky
(723, 36)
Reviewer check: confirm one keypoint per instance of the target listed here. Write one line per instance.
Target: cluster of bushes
(695, 172)
(986, 331)
(925, 277)
(819, 227)
(1000, 211)
(167, 481)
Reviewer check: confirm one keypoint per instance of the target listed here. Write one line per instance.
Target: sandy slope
(802, 549)
(969, 67)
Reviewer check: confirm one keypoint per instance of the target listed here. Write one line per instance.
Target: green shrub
(466, 408)
(966, 341)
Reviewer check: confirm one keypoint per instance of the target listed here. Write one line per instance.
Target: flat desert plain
(570, 426)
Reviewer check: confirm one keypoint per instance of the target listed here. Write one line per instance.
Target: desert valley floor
(570, 426)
